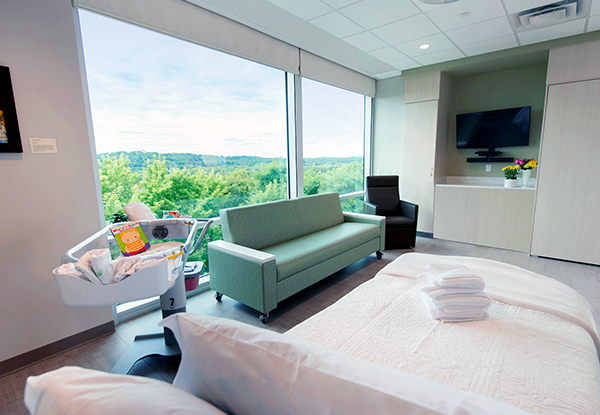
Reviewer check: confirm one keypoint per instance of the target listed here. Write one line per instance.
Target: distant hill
(139, 159)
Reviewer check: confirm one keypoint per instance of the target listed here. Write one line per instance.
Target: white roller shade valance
(193, 23)
(319, 69)
(186, 21)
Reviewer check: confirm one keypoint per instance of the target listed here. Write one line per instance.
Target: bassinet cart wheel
(379, 254)
(218, 296)
(263, 318)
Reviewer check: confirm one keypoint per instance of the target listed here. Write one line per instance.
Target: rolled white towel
(446, 302)
(465, 285)
(451, 315)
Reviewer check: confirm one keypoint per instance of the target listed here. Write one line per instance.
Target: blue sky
(151, 92)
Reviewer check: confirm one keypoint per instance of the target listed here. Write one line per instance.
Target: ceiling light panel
(573, 27)
(443, 56)
(593, 23)
(481, 31)
(492, 45)
(406, 30)
(427, 7)
(449, 17)
(595, 8)
(336, 4)
(307, 9)
(373, 13)
(388, 54)
(366, 41)
(337, 25)
(404, 64)
(437, 43)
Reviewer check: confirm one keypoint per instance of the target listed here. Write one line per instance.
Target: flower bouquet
(526, 165)
(510, 174)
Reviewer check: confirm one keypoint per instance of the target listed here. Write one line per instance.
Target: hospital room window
(182, 127)
(333, 141)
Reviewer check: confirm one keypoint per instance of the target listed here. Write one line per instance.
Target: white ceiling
(381, 38)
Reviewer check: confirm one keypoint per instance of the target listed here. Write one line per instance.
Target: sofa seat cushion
(303, 252)
(398, 221)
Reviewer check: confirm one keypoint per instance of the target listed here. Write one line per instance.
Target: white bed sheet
(538, 353)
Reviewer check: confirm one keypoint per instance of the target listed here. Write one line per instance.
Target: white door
(419, 155)
(567, 214)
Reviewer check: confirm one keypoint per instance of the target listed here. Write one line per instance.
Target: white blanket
(536, 351)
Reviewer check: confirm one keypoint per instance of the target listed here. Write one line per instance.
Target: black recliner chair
(400, 216)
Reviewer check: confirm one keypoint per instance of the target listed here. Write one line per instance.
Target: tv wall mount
(489, 156)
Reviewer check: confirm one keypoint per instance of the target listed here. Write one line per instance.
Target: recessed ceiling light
(437, 1)
(425, 46)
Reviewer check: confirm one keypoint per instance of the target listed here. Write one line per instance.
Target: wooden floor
(102, 353)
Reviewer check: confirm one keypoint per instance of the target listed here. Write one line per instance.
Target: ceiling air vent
(548, 15)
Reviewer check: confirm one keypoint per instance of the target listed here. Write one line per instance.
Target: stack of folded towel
(453, 293)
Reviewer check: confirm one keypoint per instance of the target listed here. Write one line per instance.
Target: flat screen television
(490, 129)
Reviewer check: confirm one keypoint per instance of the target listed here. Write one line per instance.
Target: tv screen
(498, 128)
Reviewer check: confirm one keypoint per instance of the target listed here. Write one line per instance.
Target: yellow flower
(533, 163)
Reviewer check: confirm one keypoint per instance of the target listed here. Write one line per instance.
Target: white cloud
(153, 92)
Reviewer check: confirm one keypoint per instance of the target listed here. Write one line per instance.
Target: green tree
(118, 183)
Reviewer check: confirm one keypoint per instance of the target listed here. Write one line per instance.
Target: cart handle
(207, 225)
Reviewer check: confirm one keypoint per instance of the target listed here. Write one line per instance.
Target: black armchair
(400, 216)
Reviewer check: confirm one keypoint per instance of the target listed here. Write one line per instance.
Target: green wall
(524, 86)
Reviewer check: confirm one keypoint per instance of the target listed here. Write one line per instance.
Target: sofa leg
(379, 254)
(263, 318)
(218, 296)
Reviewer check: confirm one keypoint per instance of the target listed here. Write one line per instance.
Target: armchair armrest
(410, 210)
(370, 208)
(244, 274)
(371, 219)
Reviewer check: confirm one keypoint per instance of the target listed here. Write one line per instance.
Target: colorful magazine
(131, 238)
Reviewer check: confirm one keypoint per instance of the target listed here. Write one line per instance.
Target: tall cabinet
(426, 96)
(567, 211)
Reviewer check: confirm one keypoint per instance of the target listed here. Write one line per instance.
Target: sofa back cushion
(267, 224)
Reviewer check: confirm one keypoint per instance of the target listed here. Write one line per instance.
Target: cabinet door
(567, 214)
(419, 154)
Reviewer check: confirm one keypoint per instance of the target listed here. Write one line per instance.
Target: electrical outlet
(488, 168)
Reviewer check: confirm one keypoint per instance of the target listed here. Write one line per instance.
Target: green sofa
(273, 250)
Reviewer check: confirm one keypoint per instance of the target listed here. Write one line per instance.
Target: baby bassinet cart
(181, 237)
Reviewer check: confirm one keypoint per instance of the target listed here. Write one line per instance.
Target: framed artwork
(10, 138)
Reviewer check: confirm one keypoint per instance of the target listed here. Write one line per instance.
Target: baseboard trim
(425, 234)
(26, 359)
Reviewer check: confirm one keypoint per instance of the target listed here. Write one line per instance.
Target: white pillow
(74, 390)
(245, 370)
(138, 211)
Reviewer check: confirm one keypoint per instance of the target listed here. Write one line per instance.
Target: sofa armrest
(410, 210)
(371, 219)
(244, 274)
(370, 208)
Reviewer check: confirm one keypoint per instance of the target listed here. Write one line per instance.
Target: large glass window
(182, 127)
(333, 141)
(179, 126)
